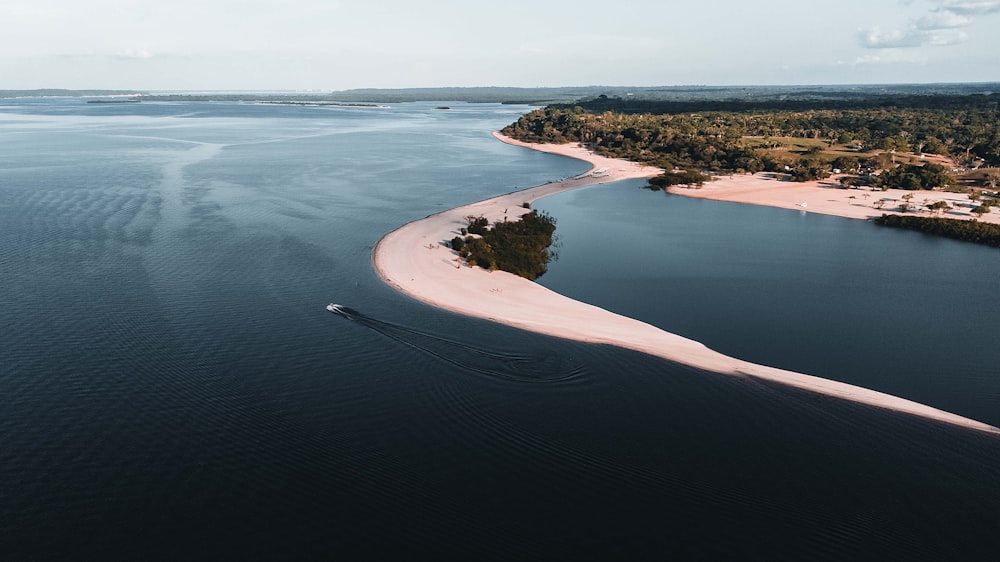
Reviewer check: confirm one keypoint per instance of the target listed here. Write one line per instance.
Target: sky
(334, 45)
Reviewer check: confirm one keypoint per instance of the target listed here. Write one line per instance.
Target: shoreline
(414, 260)
(827, 197)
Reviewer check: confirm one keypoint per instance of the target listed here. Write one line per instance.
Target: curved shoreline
(414, 260)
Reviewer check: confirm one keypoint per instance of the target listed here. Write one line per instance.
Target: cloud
(886, 58)
(945, 37)
(875, 38)
(942, 20)
(941, 27)
(969, 8)
(868, 59)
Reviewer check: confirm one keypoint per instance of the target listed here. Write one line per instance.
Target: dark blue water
(172, 387)
(901, 312)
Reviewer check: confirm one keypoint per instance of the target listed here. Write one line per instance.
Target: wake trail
(515, 367)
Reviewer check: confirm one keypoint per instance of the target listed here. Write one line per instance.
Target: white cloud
(887, 57)
(969, 8)
(945, 37)
(942, 20)
(875, 38)
(938, 28)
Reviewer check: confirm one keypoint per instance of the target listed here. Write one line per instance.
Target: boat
(335, 308)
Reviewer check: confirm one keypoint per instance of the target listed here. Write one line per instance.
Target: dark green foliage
(520, 247)
(912, 176)
(664, 141)
(862, 101)
(855, 181)
(939, 206)
(477, 225)
(686, 177)
(457, 244)
(708, 135)
(846, 164)
(968, 230)
(809, 170)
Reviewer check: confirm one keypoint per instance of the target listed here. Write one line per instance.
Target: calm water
(171, 387)
(901, 312)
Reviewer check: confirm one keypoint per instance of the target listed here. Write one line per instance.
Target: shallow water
(172, 386)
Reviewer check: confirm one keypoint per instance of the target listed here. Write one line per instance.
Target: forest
(803, 139)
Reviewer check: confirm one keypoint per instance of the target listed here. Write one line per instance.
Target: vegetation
(967, 230)
(685, 177)
(520, 247)
(912, 176)
(938, 206)
(980, 210)
(477, 225)
(802, 139)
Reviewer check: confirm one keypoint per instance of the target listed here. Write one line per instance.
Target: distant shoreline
(414, 260)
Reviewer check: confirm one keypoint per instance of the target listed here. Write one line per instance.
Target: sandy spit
(415, 260)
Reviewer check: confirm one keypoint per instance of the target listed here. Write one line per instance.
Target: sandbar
(415, 260)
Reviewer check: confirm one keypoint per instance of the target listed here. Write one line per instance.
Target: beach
(416, 260)
(828, 197)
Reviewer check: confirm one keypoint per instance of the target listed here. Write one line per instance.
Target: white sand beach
(415, 260)
(827, 197)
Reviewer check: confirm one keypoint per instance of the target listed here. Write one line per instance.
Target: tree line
(966, 230)
(715, 136)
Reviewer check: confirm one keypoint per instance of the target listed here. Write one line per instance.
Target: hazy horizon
(330, 45)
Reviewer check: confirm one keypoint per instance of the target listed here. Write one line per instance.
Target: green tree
(938, 206)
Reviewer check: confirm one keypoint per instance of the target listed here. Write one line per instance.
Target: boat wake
(540, 367)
